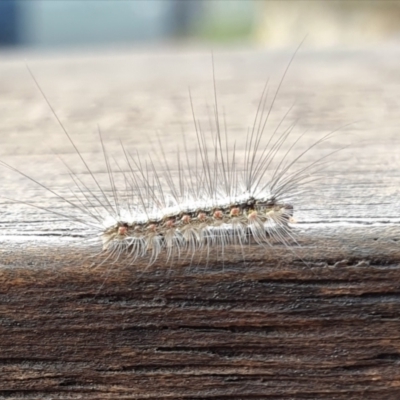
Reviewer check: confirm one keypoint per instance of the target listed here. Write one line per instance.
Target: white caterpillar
(218, 196)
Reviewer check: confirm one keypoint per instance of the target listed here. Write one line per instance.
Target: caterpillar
(218, 195)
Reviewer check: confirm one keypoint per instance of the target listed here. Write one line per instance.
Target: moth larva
(218, 194)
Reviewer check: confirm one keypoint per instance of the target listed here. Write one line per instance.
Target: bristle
(214, 200)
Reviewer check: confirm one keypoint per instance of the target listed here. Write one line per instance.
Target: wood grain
(319, 321)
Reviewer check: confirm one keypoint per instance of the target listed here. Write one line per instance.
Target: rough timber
(321, 322)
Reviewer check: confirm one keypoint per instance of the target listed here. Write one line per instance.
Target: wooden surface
(317, 321)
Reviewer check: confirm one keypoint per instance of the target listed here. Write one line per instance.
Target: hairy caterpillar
(218, 194)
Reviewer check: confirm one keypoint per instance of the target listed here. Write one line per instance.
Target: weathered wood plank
(320, 321)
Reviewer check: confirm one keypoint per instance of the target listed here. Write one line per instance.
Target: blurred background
(77, 23)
